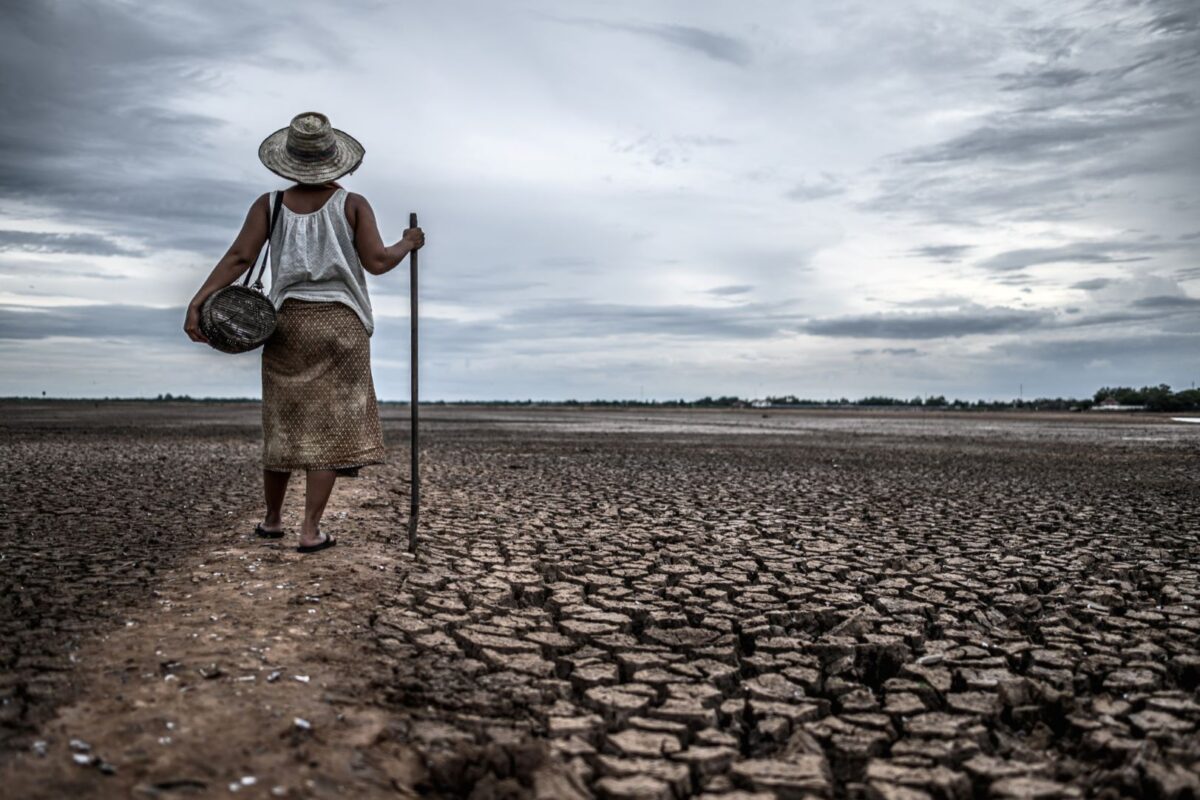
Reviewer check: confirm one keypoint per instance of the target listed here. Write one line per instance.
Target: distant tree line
(1152, 398)
(1156, 398)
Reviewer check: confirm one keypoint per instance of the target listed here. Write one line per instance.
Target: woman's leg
(316, 495)
(274, 488)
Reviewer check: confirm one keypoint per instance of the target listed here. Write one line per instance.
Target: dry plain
(606, 603)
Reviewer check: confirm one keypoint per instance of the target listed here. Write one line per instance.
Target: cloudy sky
(627, 199)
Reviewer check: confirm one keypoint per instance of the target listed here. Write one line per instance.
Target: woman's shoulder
(356, 204)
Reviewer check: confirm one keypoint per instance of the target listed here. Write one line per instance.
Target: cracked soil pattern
(606, 604)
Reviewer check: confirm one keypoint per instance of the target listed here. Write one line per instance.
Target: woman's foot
(320, 542)
(310, 533)
(265, 531)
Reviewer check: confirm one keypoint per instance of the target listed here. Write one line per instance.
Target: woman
(319, 409)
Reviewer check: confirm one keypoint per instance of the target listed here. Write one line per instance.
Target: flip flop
(263, 533)
(328, 541)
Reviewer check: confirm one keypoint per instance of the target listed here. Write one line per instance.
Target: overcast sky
(627, 199)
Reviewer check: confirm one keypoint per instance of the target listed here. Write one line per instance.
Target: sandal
(263, 533)
(328, 541)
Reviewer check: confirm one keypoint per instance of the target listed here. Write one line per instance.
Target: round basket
(236, 319)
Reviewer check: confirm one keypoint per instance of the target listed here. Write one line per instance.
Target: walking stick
(415, 509)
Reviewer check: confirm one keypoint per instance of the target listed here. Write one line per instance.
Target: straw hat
(310, 150)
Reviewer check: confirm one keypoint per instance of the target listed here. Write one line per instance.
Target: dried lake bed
(608, 603)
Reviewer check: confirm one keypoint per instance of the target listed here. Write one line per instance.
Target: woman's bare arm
(376, 257)
(240, 256)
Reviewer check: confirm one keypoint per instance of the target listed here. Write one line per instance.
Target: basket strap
(267, 249)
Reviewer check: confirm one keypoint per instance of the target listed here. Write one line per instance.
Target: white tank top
(313, 258)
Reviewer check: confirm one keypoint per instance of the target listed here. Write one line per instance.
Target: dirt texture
(606, 604)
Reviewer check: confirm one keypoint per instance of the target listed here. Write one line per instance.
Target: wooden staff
(415, 509)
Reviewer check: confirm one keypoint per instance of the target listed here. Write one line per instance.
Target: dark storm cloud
(933, 325)
(77, 243)
(86, 89)
(943, 253)
(717, 46)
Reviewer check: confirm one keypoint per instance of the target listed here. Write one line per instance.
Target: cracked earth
(606, 604)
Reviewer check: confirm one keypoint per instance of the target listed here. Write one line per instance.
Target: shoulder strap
(267, 248)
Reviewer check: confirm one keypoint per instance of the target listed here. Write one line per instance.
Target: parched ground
(606, 604)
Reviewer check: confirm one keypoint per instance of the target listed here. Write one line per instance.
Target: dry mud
(607, 604)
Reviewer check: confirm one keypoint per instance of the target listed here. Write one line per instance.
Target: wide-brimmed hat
(310, 150)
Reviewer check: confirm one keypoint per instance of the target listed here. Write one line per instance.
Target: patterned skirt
(319, 409)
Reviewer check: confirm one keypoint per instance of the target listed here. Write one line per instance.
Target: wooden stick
(415, 468)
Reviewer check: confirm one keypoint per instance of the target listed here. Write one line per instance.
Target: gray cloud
(934, 325)
(1104, 319)
(1177, 17)
(1161, 348)
(668, 151)
(1073, 123)
(1167, 302)
(1031, 135)
(1044, 78)
(943, 253)
(717, 46)
(90, 322)
(1092, 284)
(36, 271)
(826, 186)
(583, 319)
(91, 131)
(461, 289)
(566, 319)
(1075, 253)
(1014, 279)
(939, 301)
(888, 351)
(79, 243)
(729, 290)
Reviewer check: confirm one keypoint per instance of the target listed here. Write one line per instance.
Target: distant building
(1110, 404)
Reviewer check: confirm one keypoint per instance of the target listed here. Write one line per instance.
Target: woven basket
(237, 319)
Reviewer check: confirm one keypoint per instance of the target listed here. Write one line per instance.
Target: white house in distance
(1111, 404)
